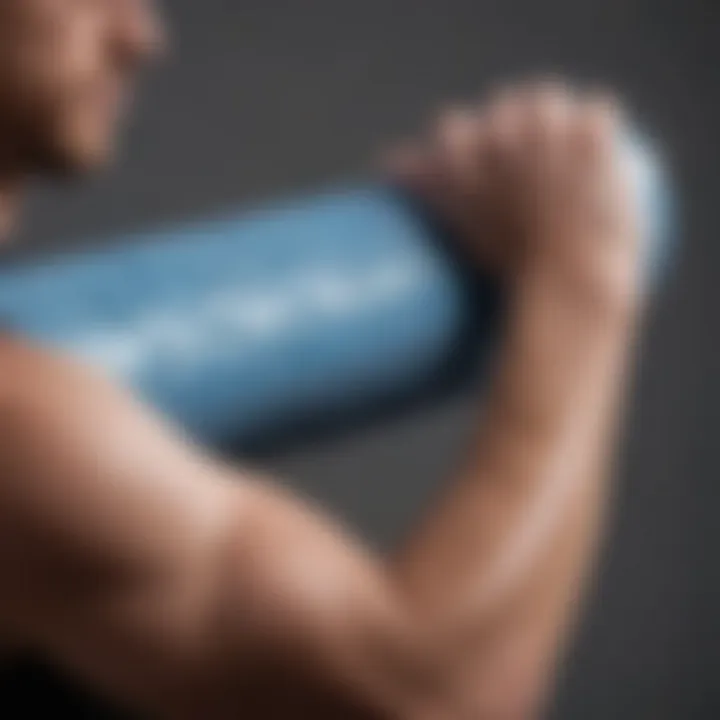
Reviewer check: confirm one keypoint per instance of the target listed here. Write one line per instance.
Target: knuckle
(457, 125)
(604, 112)
(600, 127)
(449, 120)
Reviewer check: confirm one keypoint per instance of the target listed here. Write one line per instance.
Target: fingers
(407, 163)
(515, 120)
(450, 145)
(478, 160)
(459, 137)
(445, 167)
(595, 135)
(600, 149)
(544, 123)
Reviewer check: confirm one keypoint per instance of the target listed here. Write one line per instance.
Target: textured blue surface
(233, 324)
(238, 324)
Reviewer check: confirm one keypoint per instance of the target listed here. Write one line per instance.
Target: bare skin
(187, 588)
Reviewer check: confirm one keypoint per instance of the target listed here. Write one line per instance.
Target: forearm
(500, 564)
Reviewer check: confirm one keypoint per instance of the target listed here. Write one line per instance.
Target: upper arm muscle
(144, 566)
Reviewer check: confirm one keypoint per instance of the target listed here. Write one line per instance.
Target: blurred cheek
(81, 67)
(60, 53)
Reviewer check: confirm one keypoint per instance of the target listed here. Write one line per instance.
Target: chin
(92, 159)
(77, 146)
(77, 159)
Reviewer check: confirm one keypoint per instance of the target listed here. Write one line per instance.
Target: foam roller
(241, 325)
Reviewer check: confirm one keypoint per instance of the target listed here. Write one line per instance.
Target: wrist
(563, 355)
(605, 296)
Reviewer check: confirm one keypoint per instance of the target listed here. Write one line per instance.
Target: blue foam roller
(242, 324)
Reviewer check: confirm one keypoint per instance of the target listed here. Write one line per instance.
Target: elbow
(486, 682)
(458, 706)
(509, 709)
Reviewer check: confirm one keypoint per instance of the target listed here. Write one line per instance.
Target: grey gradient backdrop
(265, 96)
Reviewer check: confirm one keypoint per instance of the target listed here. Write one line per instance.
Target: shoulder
(42, 392)
(27, 369)
(39, 387)
(64, 425)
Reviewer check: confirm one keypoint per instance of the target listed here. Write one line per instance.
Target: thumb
(410, 166)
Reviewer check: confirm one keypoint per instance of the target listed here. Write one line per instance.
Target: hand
(535, 182)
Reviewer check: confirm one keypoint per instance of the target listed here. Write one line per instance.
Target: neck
(11, 191)
(13, 174)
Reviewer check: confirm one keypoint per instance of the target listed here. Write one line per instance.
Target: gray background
(265, 96)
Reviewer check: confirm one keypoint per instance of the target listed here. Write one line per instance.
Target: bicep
(163, 577)
(307, 597)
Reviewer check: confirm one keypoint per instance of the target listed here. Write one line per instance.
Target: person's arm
(175, 584)
(509, 550)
